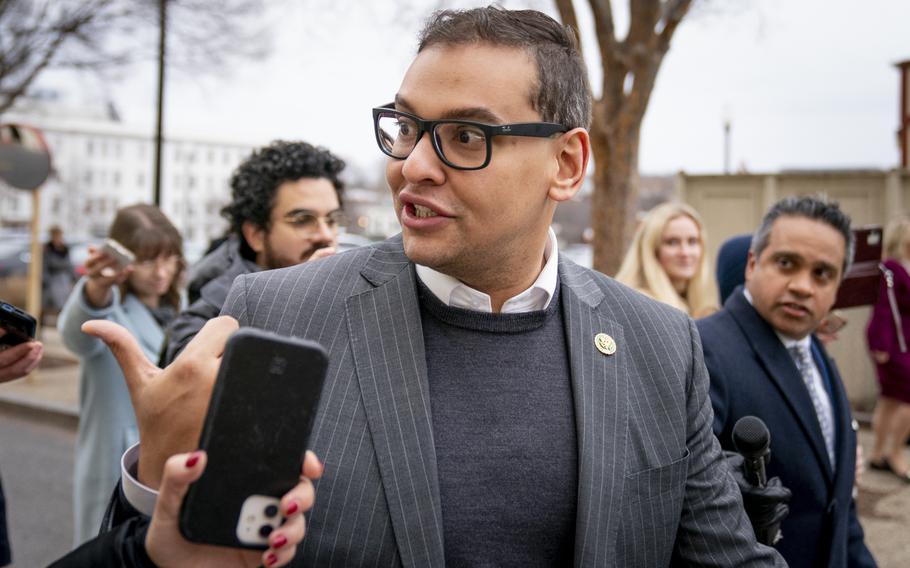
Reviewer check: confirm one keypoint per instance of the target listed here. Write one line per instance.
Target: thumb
(135, 365)
(179, 471)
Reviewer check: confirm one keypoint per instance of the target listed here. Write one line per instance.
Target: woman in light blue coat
(143, 297)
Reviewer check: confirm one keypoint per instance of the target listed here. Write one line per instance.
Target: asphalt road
(36, 461)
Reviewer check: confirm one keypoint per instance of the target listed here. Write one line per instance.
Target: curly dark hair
(256, 180)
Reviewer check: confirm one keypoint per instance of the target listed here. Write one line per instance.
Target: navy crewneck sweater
(504, 430)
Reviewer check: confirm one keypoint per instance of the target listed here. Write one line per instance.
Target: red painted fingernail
(280, 541)
(271, 559)
(192, 460)
(292, 508)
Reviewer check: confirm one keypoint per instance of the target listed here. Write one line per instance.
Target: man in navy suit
(763, 360)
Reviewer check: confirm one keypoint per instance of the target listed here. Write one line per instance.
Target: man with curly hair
(285, 209)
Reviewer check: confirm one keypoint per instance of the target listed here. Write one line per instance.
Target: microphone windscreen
(751, 436)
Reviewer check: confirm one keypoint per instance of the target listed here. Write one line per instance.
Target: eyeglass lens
(461, 144)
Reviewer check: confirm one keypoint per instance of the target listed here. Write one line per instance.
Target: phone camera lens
(265, 531)
(271, 511)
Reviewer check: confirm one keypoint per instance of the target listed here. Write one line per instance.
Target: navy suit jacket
(753, 374)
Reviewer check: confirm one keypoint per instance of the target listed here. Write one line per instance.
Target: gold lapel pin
(605, 344)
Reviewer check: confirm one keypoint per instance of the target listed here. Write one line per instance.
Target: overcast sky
(805, 83)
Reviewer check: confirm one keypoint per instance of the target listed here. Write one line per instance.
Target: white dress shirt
(456, 294)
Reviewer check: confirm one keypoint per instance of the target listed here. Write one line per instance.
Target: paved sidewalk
(883, 500)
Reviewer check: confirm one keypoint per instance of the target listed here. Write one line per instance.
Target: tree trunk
(615, 142)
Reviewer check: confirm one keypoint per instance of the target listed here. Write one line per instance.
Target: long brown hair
(148, 233)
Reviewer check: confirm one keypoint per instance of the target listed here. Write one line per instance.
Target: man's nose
(801, 283)
(423, 165)
(325, 233)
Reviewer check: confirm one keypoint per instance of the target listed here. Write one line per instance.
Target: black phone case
(19, 325)
(255, 434)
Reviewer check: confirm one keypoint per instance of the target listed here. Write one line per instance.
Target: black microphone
(753, 441)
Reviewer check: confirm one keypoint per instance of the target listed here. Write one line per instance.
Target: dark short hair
(814, 208)
(255, 181)
(562, 94)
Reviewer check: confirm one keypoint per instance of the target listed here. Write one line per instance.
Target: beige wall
(734, 204)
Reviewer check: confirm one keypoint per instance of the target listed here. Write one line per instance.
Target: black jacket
(210, 281)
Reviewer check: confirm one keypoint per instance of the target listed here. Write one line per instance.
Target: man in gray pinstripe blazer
(489, 402)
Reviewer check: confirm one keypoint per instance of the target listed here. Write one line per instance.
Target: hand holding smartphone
(121, 256)
(255, 434)
(18, 325)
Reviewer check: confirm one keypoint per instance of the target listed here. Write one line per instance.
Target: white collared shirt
(453, 293)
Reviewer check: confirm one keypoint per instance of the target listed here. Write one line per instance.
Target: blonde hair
(641, 270)
(897, 239)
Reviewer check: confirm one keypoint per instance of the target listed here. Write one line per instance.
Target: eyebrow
(479, 114)
(302, 211)
(799, 258)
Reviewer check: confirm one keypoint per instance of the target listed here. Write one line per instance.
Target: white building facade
(101, 165)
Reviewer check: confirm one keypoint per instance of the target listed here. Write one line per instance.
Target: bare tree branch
(567, 16)
(673, 13)
(105, 35)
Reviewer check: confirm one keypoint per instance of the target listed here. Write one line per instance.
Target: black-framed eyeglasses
(460, 144)
(308, 221)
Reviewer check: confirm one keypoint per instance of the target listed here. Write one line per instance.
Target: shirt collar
(454, 293)
(789, 342)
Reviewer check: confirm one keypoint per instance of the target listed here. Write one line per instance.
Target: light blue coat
(107, 424)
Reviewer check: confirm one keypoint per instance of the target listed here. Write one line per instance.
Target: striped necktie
(803, 360)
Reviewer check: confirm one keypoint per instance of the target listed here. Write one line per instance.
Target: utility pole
(159, 127)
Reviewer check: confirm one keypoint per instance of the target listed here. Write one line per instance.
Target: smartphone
(118, 252)
(18, 325)
(259, 418)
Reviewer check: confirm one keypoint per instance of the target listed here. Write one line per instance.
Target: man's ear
(750, 265)
(571, 164)
(254, 235)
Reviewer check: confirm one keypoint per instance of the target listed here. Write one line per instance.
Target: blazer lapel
(781, 370)
(601, 394)
(387, 342)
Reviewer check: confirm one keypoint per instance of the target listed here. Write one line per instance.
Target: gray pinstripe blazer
(653, 487)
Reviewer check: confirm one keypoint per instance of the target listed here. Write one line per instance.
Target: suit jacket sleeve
(122, 547)
(714, 528)
(235, 305)
(858, 556)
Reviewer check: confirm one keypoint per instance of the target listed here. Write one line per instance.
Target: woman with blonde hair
(143, 297)
(667, 260)
(887, 334)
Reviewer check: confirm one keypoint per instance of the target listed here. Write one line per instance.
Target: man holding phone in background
(285, 209)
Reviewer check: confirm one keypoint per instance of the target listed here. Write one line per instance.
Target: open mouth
(420, 211)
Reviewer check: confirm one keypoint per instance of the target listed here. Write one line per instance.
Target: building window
(89, 147)
(140, 180)
(116, 179)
